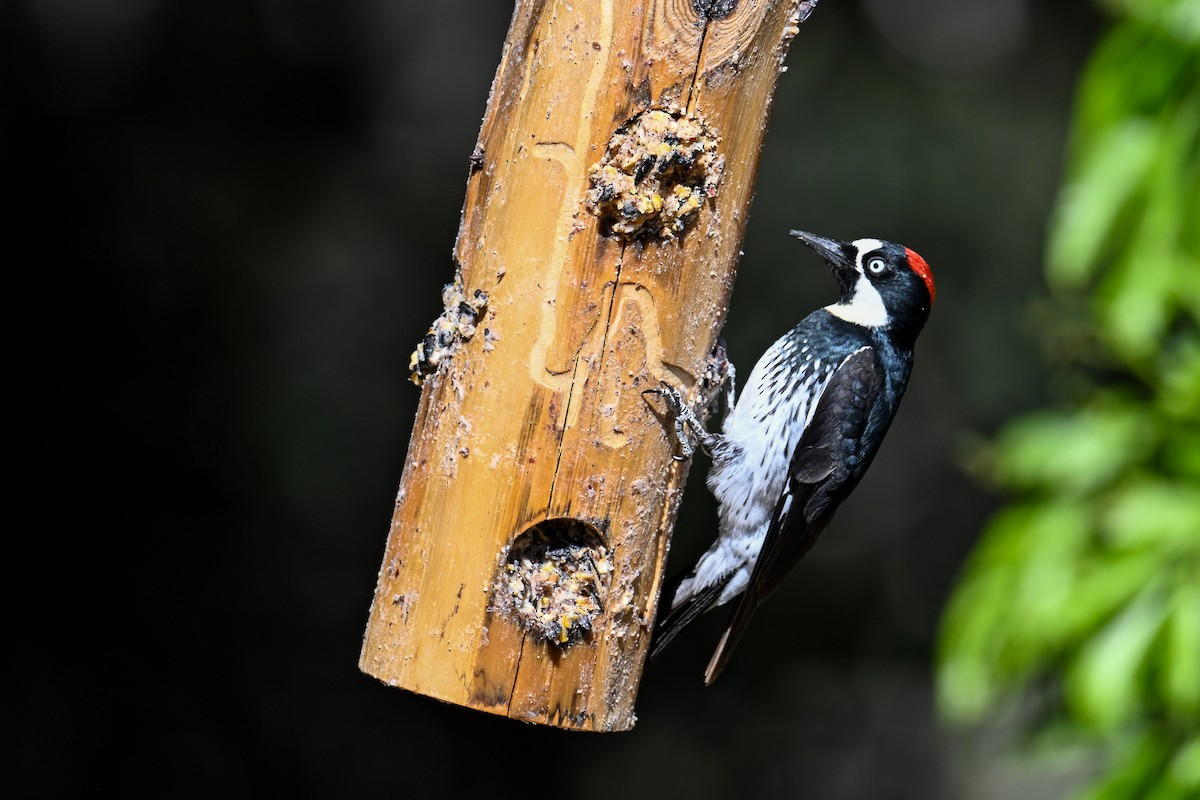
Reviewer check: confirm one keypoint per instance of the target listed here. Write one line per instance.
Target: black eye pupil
(875, 265)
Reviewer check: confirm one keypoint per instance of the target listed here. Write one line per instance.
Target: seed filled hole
(554, 580)
(659, 168)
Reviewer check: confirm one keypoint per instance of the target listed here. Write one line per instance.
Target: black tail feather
(677, 618)
(737, 626)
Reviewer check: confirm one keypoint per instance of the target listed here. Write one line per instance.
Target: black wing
(828, 462)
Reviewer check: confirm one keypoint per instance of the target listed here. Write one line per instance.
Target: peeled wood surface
(551, 422)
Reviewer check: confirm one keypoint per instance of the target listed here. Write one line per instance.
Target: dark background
(239, 216)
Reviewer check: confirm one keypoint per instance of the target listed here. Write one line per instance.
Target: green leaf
(1089, 206)
(1152, 274)
(1072, 453)
(1181, 455)
(1156, 513)
(1102, 684)
(1012, 594)
(1136, 300)
(1099, 588)
(1179, 672)
(1184, 770)
(1179, 381)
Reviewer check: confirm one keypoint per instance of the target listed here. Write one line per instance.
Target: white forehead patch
(866, 305)
(861, 248)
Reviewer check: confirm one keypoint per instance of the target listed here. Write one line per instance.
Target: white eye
(876, 266)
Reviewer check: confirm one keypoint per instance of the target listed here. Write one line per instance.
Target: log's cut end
(553, 631)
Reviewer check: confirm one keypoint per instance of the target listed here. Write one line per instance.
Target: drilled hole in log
(554, 580)
(657, 171)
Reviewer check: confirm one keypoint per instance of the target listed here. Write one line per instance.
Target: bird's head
(883, 285)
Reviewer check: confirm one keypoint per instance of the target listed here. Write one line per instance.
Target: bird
(801, 434)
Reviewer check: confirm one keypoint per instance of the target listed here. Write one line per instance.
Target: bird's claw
(682, 416)
(668, 393)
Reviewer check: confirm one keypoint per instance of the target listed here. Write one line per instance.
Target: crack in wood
(694, 85)
(562, 434)
(512, 691)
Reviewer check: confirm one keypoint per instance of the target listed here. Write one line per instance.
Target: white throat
(865, 306)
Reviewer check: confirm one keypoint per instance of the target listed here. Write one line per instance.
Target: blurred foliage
(1088, 583)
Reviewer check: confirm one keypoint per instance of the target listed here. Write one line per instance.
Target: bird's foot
(682, 418)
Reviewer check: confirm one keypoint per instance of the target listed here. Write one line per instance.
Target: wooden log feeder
(605, 209)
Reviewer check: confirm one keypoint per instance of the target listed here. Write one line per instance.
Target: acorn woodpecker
(802, 434)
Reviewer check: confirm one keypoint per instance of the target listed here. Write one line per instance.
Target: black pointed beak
(837, 254)
(840, 257)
